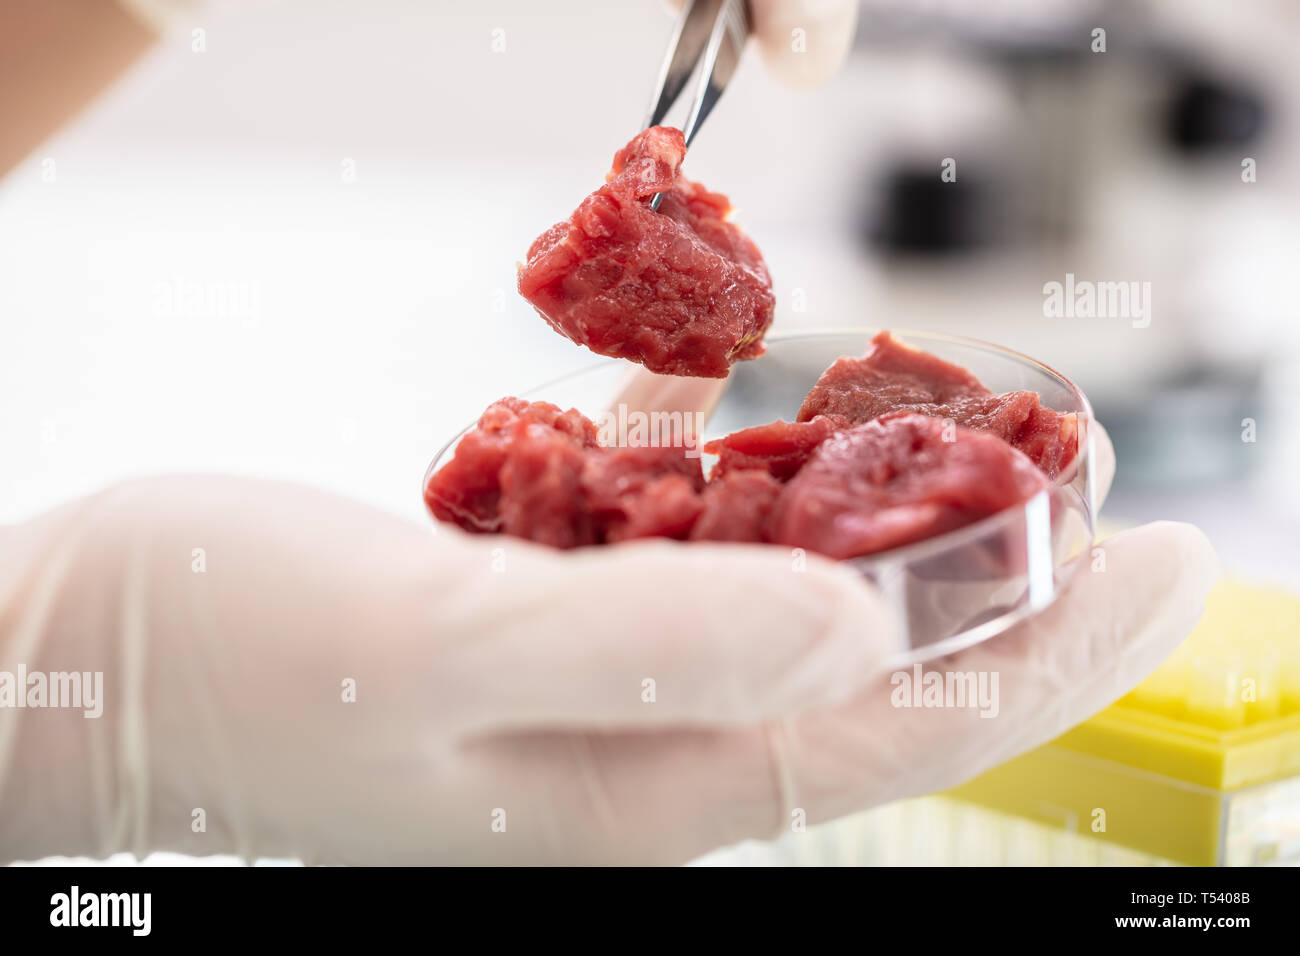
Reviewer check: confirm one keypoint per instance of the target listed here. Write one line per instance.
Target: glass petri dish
(950, 591)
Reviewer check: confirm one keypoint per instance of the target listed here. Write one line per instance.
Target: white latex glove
(495, 676)
(804, 42)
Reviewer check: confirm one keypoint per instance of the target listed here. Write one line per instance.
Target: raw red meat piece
(893, 377)
(535, 472)
(895, 480)
(681, 290)
(541, 489)
(666, 508)
(1050, 438)
(736, 506)
(641, 492)
(780, 448)
(467, 490)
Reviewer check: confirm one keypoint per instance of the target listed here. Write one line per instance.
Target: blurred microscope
(1104, 186)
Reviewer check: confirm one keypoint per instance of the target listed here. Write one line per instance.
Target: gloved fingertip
(1177, 567)
(1196, 564)
(1198, 552)
(804, 44)
(1127, 610)
(1177, 557)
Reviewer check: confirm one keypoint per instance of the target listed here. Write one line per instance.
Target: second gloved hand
(804, 42)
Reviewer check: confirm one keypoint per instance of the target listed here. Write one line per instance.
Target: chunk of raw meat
(895, 480)
(467, 490)
(535, 472)
(642, 492)
(893, 377)
(779, 448)
(681, 290)
(541, 489)
(737, 506)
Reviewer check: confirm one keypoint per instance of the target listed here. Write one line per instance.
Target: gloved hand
(804, 42)
(501, 710)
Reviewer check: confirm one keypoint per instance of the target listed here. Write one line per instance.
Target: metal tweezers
(709, 33)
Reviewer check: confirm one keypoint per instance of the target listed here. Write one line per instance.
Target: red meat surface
(895, 480)
(541, 489)
(681, 290)
(642, 492)
(535, 472)
(736, 506)
(779, 448)
(893, 377)
(467, 490)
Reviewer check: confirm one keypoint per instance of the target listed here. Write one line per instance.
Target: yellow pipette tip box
(1200, 764)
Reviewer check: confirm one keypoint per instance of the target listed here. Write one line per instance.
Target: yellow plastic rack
(1200, 764)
